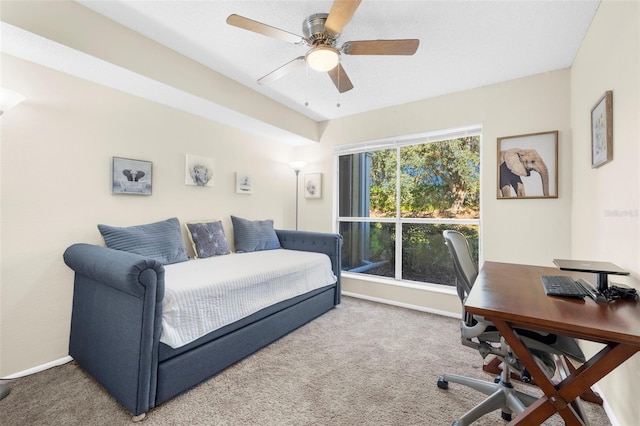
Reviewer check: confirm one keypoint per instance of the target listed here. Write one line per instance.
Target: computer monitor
(603, 269)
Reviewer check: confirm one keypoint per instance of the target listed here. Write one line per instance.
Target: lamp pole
(297, 195)
(297, 166)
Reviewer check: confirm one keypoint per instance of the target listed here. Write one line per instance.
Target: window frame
(397, 143)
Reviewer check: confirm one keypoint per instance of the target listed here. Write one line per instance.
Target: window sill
(434, 288)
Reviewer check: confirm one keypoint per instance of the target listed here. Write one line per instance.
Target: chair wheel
(442, 383)
(497, 379)
(506, 416)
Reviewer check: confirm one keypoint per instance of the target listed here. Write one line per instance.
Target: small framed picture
(198, 170)
(244, 184)
(313, 185)
(602, 130)
(132, 177)
(528, 166)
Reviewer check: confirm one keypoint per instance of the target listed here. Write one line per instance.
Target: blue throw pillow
(161, 241)
(208, 239)
(254, 235)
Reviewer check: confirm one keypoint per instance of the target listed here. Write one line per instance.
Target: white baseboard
(402, 305)
(607, 408)
(38, 368)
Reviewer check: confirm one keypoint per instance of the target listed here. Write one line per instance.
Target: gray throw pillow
(254, 235)
(208, 239)
(161, 241)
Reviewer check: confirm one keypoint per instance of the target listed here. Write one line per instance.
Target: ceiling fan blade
(381, 47)
(341, 13)
(340, 79)
(282, 71)
(264, 29)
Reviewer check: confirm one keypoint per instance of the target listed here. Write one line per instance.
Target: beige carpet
(362, 363)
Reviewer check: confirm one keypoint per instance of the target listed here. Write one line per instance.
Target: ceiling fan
(321, 32)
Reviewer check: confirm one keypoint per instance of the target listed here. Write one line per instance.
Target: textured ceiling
(463, 45)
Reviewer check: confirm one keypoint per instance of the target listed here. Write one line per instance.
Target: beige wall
(80, 126)
(55, 173)
(606, 200)
(57, 147)
(66, 23)
(525, 231)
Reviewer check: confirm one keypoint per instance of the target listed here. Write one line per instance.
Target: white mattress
(205, 294)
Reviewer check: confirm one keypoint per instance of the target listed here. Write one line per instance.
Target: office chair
(481, 335)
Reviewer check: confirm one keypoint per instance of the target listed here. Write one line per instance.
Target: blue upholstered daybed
(117, 317)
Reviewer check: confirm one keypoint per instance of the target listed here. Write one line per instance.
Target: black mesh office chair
(481, 335)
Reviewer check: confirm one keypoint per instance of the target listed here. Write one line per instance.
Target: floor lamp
(297, 166)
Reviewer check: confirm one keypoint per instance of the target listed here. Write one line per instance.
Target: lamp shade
(297, 165)
(323, 58)
(9, 99)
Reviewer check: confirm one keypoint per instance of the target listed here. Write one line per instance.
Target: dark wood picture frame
(528, 166)
(602, 130)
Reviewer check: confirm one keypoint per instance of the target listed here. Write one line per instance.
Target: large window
(396, 197)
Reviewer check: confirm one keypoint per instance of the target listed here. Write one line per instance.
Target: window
(396, 197)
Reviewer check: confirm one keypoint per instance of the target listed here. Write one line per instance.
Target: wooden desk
(511, 295)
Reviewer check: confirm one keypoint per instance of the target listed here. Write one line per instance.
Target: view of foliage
(438, 179)
(425, 256)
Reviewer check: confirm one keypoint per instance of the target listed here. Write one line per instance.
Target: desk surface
(514, 293)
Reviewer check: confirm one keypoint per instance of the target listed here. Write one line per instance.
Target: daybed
(117, 318)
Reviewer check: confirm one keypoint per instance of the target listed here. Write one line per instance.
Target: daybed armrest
(319, 242)
(116, 321)
(115, 268)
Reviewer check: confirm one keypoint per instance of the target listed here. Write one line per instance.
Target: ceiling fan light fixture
(323, 58)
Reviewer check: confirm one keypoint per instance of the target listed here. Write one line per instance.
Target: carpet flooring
(363, 363)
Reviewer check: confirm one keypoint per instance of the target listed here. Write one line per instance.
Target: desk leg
(589, 395)
(558, 398)
(598, 366)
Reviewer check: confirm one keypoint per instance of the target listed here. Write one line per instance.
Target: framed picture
(528, 166)
(198, 170)
(602, 130)
(131, 177)
(313, 185)
(244, 184)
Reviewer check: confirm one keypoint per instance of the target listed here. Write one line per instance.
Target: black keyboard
(564, 286)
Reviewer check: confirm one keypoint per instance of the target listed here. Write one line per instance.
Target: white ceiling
(463, 45)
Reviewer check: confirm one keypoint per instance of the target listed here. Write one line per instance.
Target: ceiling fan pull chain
(339, 94)
(306, 86)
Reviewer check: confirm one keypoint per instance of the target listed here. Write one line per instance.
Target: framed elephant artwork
(198, 170)
(132, 177)
(313, 185)
(528, 166)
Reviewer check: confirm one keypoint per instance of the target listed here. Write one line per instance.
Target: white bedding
(205, 294)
